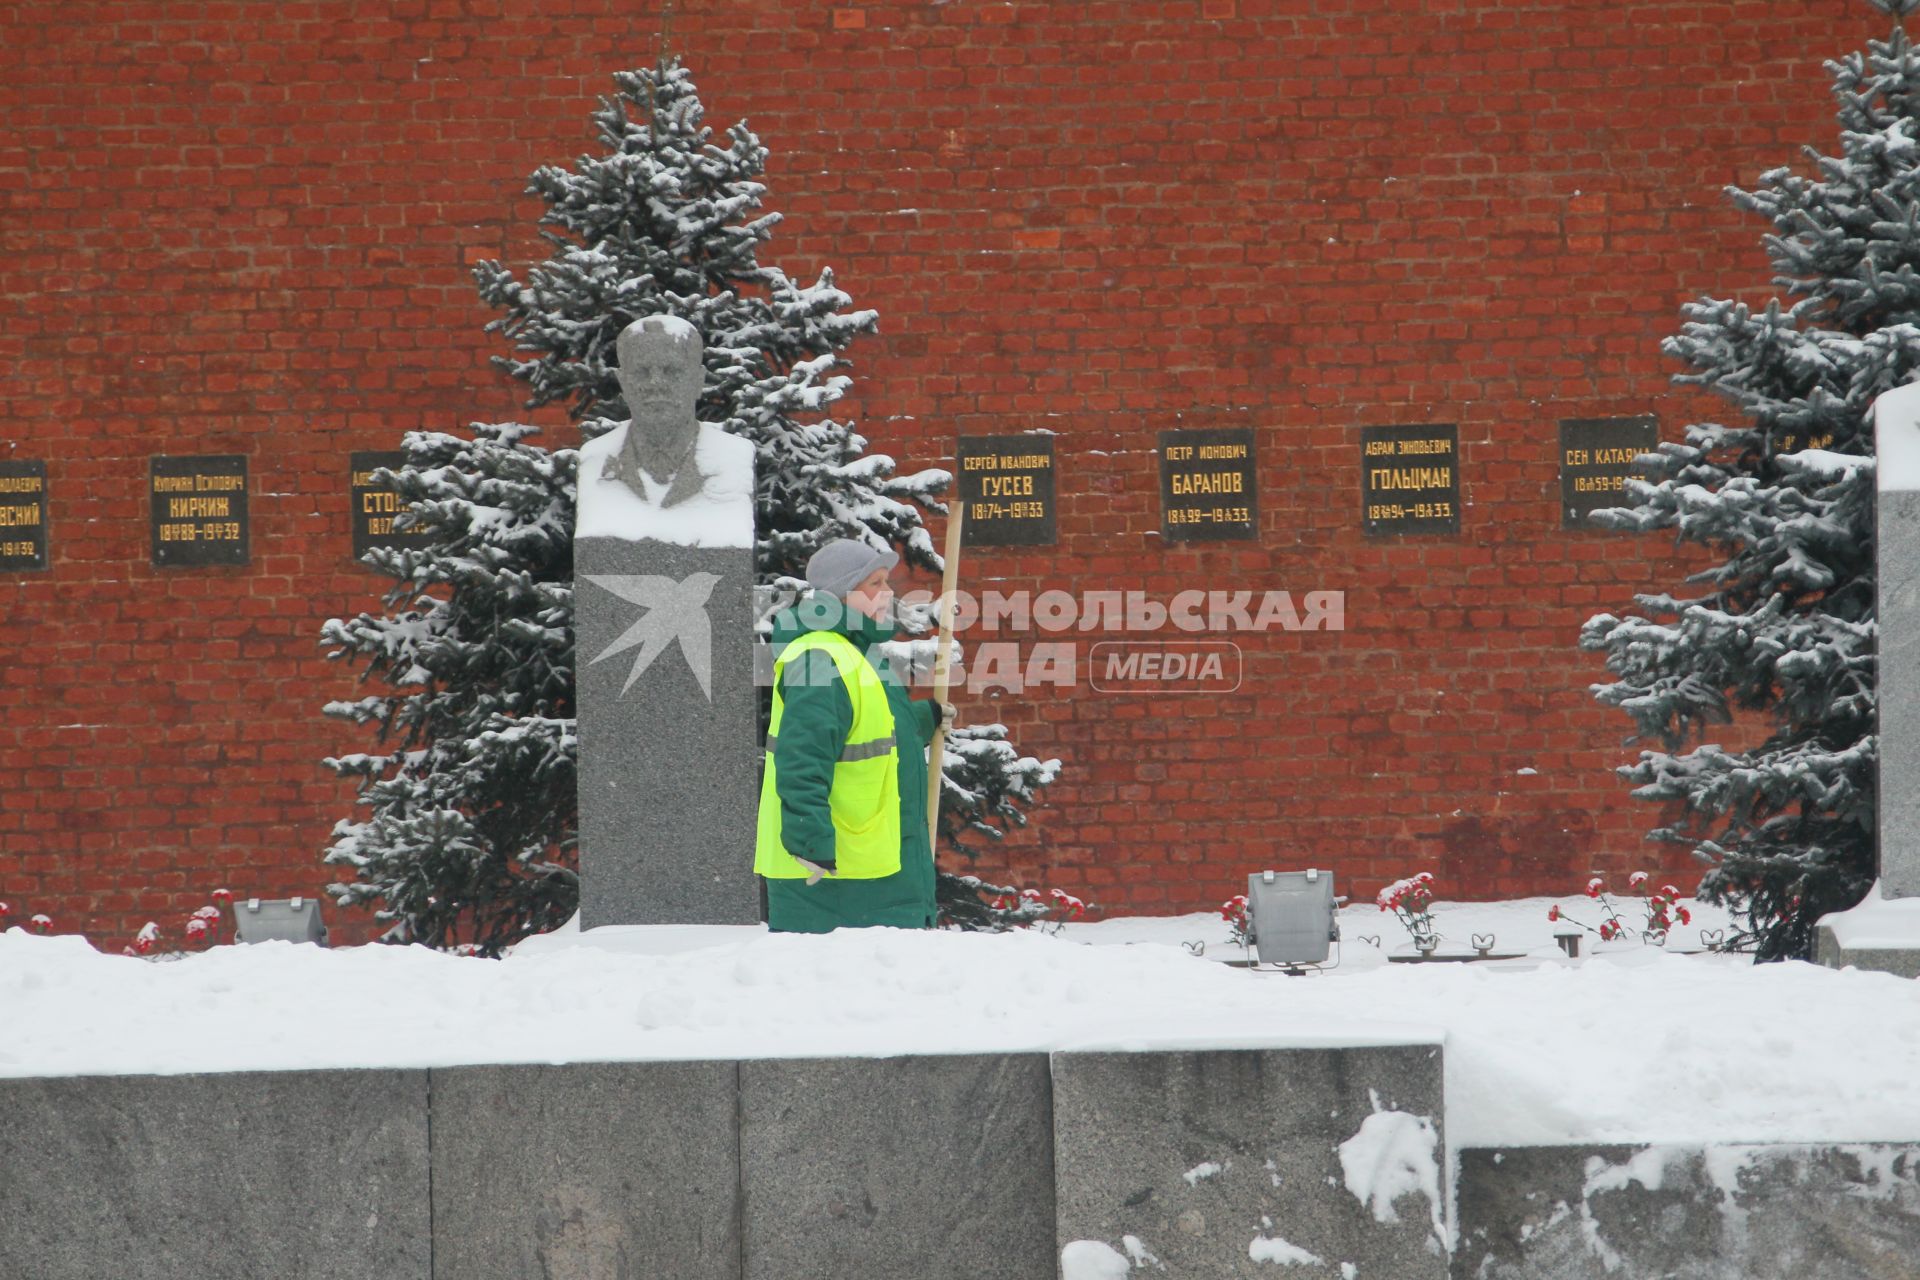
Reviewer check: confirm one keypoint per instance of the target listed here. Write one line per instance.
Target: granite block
(290, 1175)
(1767, 1212)
(1229, 1163)
(590, 1171)
(934, 1168)
(1902, 962)
(669, 771)
(1898, 684)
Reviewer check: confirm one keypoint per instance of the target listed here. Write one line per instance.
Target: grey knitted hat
(839, 567)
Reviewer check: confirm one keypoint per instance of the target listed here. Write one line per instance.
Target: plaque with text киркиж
(199, 510)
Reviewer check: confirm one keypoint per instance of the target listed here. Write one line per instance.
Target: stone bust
(660, 374)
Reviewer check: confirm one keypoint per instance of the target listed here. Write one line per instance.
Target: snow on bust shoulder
(1896, 423)
(721, 515)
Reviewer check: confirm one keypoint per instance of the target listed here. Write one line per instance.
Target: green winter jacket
(815, 722)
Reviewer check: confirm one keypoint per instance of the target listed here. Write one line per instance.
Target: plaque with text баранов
(1209, 485)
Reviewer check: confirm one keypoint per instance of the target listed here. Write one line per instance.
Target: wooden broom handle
(942, 659)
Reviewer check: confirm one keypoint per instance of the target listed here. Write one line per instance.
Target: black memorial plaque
(374, 506)
(1208, 485)
(23, 515)
(199, 507)
(1794, 441)
(1596, 457)
(1410, 479)
(1007, 485)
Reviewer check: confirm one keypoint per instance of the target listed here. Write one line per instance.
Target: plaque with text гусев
(1007, 484)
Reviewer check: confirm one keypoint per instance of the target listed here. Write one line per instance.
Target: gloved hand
(945, 715)
(814, 870)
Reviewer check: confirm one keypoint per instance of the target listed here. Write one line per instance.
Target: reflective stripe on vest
(865, 751)
(864, 802)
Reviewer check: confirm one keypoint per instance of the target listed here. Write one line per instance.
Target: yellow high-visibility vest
(865, 798)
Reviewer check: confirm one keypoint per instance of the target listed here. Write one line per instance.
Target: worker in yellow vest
(843, 799)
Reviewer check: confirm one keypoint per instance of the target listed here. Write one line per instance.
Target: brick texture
(246, 227)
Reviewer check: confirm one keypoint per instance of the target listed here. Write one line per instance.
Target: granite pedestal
(669, 769)
(1868, 936)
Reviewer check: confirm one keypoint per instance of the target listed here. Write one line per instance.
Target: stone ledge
(219, 1177)
(935, 1168)
(1901, 962)
(592, 1171)
(1226, 1163)
(1761, 1212)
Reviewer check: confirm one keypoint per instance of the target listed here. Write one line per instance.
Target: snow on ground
(1632, 1044)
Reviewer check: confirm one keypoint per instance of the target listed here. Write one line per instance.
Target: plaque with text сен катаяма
(1007, 485)
(23, 514)
(1596, 457)
(374, 506)
(199, 507)
(1410, 479)
(1208, 484)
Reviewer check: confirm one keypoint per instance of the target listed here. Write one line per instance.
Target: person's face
(659, 378)
(874, 596)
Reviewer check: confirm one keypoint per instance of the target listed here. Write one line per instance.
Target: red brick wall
(246, 228)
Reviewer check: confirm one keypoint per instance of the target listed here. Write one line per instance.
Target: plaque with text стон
(1596, 457)
(199, 507)
(23, 514)
(1410, 479)
(1208, 485)
(374, 506)
(1007, 485)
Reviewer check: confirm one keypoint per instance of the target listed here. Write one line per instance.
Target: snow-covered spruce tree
(473, 815)
(471, 835)
(1783, 628)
